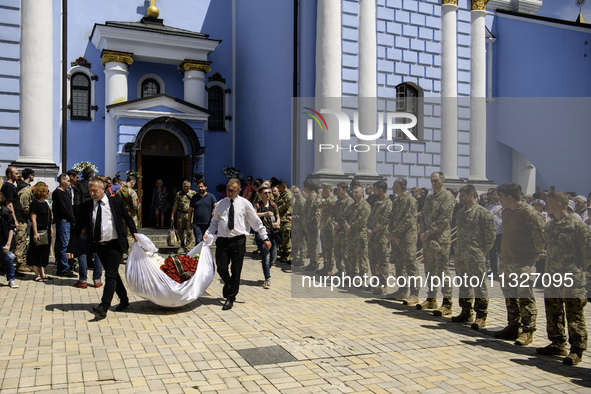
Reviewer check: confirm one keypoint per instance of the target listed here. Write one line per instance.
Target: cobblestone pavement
(269, 342)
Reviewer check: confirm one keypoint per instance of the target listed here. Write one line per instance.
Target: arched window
(215, 103)
(409, 98)
(150, 87)
(80, 94)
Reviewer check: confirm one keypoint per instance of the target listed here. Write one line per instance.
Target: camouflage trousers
(184, 227)
(298, 242)
(128, 233)
(575, 316)
(404, 256)
(21, 244)
(340, 242)
(285, 247)
(327, 240)
(520, 302)
(356, 261)
(378, 257)
(436, 258)
(467, 292)
(311, 236)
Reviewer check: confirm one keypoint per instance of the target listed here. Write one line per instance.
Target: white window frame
(149, 76)
(92, 78)
(224, 88)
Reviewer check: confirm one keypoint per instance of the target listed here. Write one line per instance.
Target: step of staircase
(159, 236)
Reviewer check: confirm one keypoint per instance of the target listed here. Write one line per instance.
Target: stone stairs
(158, 236)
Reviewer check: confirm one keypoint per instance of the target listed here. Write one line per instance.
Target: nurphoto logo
(402, 121)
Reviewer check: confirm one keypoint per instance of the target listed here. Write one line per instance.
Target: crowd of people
(500, 233)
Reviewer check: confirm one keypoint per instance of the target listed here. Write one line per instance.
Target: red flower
(189, 265)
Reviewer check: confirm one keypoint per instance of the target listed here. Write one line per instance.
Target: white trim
(92, 78)
(140, 110)
(226, 102)
(152, 76)
(545, 23)
(152, 46)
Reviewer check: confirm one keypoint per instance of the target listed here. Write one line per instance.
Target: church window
(215, 104)
(80, 94)
(409, 98)
(150, 87)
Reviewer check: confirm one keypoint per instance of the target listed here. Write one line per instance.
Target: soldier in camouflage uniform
(522, 245)
(567, 246)
(311, 222)
(297, 229)
(182, 201)
(403, 234)
(130, 200)
(476, 236)
(26, 196)
(356, 261)
(340, 241)
(284, 207)
(435, 235)
(377, 236)
(327, 227)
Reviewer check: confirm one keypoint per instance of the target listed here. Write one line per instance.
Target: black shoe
(228, 305)
(122, 306)
(100, 312)
(68, 274)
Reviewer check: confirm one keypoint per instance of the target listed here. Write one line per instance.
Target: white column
(478, 92)
(116, 65)
(36, 95)
(449, 89)
(328, 83)
(194, 81)
(366, 161)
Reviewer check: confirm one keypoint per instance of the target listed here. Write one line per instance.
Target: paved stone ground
(50, 342)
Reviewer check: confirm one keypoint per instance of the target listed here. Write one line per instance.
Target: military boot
(445, 308)
(509, 332)
(466, 316)
(479, 323)
(553, 349)
(429, 303)
(412, 300)
(525, 338)
(574, 357)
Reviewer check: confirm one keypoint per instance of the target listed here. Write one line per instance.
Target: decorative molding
(217, 77)
(80, 62)
(453, 2)
(479, 5)
(113, 56)
(196, 65)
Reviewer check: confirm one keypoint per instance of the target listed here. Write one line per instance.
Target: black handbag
(276, 234)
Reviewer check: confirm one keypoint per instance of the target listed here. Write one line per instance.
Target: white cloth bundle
(148, 281)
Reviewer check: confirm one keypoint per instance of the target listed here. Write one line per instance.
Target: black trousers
(229, 256)
(110, 255)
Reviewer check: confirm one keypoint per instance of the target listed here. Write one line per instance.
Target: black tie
(97, 223)
(231, 216)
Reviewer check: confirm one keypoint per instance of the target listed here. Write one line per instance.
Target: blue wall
(542, 84)
(264, 88)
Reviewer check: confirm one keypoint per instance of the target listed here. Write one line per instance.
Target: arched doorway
(162, 156)
(165, 148)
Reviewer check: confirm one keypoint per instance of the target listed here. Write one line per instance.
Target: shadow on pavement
(580, 376)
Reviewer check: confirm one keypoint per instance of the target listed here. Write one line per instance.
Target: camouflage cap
(327, 185)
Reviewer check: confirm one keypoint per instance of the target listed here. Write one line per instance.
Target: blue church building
(179, 89)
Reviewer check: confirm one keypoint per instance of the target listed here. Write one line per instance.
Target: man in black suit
(102, 219)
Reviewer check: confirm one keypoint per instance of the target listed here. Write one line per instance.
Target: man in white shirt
(233, 218)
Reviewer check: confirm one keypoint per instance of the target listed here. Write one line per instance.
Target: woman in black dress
(40, 213)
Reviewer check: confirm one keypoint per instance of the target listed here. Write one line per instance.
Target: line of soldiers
(356, 237)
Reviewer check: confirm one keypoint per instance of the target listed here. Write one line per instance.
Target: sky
(564, 9)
